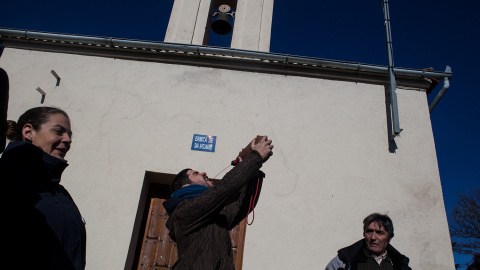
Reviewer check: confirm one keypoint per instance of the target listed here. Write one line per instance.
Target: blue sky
(426, 33)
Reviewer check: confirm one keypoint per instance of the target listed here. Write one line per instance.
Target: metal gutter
(208, 51)
(446, 85)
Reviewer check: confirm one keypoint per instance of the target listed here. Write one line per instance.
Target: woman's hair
(36, 117)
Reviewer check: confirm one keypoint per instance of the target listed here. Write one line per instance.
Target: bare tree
(475, 263)
(465, 223)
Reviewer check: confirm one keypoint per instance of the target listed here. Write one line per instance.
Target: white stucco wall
(331, 165)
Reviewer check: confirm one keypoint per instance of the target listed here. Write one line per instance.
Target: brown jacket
(201, 225)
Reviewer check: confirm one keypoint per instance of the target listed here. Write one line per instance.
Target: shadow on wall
(392, 146)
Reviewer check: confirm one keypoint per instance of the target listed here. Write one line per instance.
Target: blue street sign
(204, 143)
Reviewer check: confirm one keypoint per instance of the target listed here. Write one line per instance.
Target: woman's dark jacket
(349, 257)
(201, 225)
(44, 227)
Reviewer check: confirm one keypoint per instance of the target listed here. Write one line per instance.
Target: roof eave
(216, 57)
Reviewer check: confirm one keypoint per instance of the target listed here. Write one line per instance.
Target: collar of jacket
(354, 253)
(24, 156)
(171, 204)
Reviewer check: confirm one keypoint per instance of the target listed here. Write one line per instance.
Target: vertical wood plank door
(159, 251)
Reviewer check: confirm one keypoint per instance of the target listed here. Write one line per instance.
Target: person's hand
(264, 147)
(239, 158)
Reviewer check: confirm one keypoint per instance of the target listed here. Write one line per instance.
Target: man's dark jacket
(354, 254)
(201, 225)
(43, 226)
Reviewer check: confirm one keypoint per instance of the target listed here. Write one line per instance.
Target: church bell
(222, 20)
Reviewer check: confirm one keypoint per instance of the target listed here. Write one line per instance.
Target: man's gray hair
(382, 220)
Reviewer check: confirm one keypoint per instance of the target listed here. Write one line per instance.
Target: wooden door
(159, 251)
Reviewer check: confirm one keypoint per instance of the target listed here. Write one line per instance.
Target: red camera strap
(252, 203)
(253, 197)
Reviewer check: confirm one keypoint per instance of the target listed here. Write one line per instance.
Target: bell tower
(250, 22)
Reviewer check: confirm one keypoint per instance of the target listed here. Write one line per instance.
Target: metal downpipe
(446, 85)
(392, 88)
